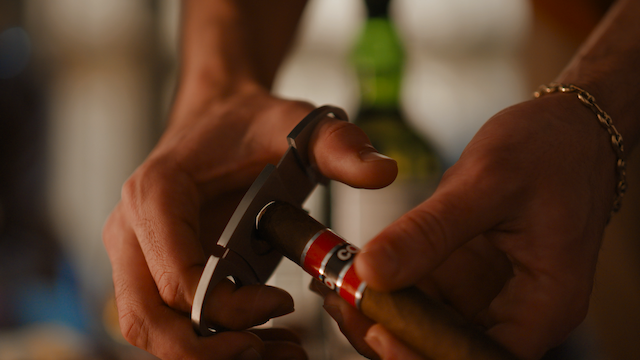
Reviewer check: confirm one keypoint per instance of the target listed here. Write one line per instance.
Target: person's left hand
(176, 204)
(509, 239)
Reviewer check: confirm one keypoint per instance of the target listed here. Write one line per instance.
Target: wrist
(612, 96)
(196, 97)
(606, 123)
(606, 67)
(215, 57)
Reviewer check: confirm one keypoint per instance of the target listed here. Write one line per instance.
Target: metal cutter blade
(246, 259)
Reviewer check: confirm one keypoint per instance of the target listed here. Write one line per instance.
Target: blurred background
(85, 86)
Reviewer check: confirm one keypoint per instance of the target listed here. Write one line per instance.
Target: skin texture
(510, 238)
(178, 202)
(507, 249)
(224, 128)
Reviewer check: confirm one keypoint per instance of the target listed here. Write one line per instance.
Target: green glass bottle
(359, 214)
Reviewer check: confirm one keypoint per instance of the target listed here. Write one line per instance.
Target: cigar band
(329, 258)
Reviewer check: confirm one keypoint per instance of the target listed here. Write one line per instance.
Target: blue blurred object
(57, 301)
(15, 51)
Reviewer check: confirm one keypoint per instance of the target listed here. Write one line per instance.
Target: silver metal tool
(245, 258)
(429, 327)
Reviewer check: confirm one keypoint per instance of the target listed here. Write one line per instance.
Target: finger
(277, 334)
(147, 322)
(284, 350)
(281, 344)
(387, 346)
(419, 241)
(343, 152)
(534, 313)
(352, 323)
(239, 308)
(165, 222)
(244, 307)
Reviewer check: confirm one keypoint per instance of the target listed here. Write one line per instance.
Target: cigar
(425, 325)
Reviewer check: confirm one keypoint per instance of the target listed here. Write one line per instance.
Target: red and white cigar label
(329, 258)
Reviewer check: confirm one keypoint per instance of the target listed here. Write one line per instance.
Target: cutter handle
(425, 325)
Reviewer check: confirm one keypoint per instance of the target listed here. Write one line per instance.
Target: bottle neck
(378, 59)
(377, 8)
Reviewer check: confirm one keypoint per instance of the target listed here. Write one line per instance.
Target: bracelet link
(605, 121)
(617, 143)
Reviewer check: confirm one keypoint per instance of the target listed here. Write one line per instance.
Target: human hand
(176, 204)
(509, 239)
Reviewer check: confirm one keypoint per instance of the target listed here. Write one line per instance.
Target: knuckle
(139, 184)
(134, 329)
(133, 187)
(109, 229)
(171, 291)
(130, 186)
(115, 232)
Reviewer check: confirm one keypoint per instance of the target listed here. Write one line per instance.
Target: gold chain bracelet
(605, 120)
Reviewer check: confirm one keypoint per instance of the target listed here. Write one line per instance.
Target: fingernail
(369, 153)
(334, 312)
(250, 354)
(374, 342)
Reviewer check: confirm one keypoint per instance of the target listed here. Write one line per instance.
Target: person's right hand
(509, 239)
(175, 206)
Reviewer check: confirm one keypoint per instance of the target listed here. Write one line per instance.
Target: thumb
(343, 152)
(422, 239)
